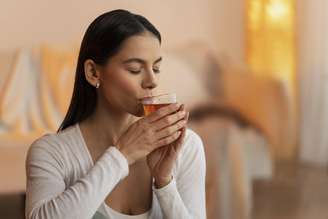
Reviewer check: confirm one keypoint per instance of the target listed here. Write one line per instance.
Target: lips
(146, 97)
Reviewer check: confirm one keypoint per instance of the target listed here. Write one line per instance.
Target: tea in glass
(151, 104)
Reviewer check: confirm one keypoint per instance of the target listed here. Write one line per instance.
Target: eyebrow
(141, 61)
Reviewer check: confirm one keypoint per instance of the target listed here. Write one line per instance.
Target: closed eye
(135, 71)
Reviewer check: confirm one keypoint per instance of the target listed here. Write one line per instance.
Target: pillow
(205, 62)
(179, 77)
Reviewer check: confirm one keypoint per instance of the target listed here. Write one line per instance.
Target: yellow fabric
(58, 68)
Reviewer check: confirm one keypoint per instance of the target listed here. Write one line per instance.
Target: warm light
(271, 39)
(255, 14)
(270, 47)
(277, 10)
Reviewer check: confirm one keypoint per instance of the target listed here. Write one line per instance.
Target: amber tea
(151, 104)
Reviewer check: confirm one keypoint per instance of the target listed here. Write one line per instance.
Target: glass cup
(151, 104)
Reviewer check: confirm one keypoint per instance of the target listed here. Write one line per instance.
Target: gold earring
(97, 85)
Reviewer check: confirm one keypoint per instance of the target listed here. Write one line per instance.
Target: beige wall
(218, 22)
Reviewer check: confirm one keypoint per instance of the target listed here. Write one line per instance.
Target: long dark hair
(102, 40)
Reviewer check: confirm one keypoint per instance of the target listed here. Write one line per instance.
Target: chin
(137, 114)
(140, 114)
(138, 111)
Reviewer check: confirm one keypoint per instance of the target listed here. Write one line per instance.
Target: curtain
(313, 80)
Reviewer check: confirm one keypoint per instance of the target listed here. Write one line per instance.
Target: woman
(105, 161)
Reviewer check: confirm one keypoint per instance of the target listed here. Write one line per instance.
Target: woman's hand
(162, 160)
(150, 133)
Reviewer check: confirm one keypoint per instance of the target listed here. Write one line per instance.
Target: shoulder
(192, 149)
(192, 136)
(192, 143)
(51, 146)
(191, 160)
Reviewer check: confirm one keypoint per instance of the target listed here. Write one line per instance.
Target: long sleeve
(184, 196)
(47, 196)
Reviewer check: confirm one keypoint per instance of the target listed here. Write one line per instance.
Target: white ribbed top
(63, 182)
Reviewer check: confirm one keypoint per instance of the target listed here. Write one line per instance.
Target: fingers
(187, 117)
(182, 107)
(168, 140)
(167, 124)
(171, 124)
(171, 129)
(180, 141)
(162, 112)
(169, 120)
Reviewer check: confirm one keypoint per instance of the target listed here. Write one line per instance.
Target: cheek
(127, 85)
(120, 87)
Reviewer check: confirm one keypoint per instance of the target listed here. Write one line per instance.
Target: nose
(149, 81)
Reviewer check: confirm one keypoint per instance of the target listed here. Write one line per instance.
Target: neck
(107, 126)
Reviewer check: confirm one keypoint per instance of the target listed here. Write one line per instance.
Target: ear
(91, 72)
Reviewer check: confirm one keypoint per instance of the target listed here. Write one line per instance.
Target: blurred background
(253, 74)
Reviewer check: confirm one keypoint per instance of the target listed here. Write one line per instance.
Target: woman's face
(131, 74)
